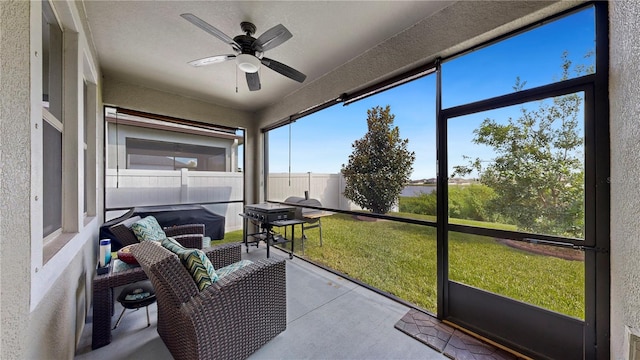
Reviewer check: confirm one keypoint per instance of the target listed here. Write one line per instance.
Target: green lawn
(233, 236)
(401, 259)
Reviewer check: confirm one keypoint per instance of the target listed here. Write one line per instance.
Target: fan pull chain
(236, 79)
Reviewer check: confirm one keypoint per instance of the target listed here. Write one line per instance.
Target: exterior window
(52, 174)
(159, 155)
(52, 121)
(51, 62)
(145, 155)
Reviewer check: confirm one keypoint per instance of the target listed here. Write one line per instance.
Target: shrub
(472, 202)
(424, 204)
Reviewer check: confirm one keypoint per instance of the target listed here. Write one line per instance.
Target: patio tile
(309, 287)
(426, 329)
(348, 327)
(464, 347)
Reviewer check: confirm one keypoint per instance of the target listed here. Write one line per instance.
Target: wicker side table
(103, 306)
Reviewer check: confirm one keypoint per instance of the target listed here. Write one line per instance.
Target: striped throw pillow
(195, 261)
(148, 229)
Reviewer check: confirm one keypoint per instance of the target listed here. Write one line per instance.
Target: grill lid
(300, 212)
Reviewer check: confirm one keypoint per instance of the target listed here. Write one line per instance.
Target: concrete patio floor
(328, 317)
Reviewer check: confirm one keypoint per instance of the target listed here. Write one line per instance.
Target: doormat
(453, 343)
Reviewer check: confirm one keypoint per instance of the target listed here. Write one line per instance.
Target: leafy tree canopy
(538, 169)
(380, 164)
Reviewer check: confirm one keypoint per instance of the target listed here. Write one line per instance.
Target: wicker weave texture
(230, 319)
(103, 300)
(124, 234)
(190, 235)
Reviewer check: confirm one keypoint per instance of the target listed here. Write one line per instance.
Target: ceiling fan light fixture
(248, 63)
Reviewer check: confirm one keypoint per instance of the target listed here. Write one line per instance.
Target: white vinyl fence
(130, 188)
(327, 188)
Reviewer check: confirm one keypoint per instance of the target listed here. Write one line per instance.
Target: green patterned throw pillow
(172, 245)
(196, 262)
(222, 272)
(148, 229)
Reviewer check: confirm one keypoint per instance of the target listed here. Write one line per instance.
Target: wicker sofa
(189, 236)
(230, 319)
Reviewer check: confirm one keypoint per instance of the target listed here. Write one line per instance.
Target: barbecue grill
(311, 217)
(266, 216)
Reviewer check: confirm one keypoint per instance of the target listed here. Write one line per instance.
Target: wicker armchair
(228, 320)
(189, 236)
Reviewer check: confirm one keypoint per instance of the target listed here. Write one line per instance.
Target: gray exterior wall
(624, 92)
(131, 96)
(15, 177)
(45, 290)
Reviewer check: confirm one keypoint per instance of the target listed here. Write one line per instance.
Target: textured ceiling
(148, 43)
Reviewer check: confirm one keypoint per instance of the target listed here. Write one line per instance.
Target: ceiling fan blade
(284, 69)
(211, 60)
(271, 38)
(253, 80)
(211, 30)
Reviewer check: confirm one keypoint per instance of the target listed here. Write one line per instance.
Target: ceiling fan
(249, 50)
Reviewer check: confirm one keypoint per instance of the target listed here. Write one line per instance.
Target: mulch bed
(548, 250)
(365, 218)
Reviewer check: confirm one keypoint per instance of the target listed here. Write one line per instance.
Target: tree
(538, 171)
(380, 165)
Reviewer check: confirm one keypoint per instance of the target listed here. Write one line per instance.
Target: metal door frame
(521, 326)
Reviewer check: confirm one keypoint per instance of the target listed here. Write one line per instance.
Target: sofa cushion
(195, 261)
(148, 229)
(222, 272)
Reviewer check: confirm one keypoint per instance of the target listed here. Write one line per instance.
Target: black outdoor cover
(169, 216)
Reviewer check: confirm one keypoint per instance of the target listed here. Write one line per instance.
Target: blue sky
(321, 142)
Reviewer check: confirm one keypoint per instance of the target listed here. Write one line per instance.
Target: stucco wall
(15, 175)
(121, 93)
(624, 95)
(56, 324)
(43, 304)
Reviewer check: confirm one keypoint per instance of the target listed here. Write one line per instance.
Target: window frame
(162, 149)
(115, 164)
(48, 16)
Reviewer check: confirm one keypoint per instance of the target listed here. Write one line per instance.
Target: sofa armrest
(190, 229)
(224, 254)
(193, 241)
